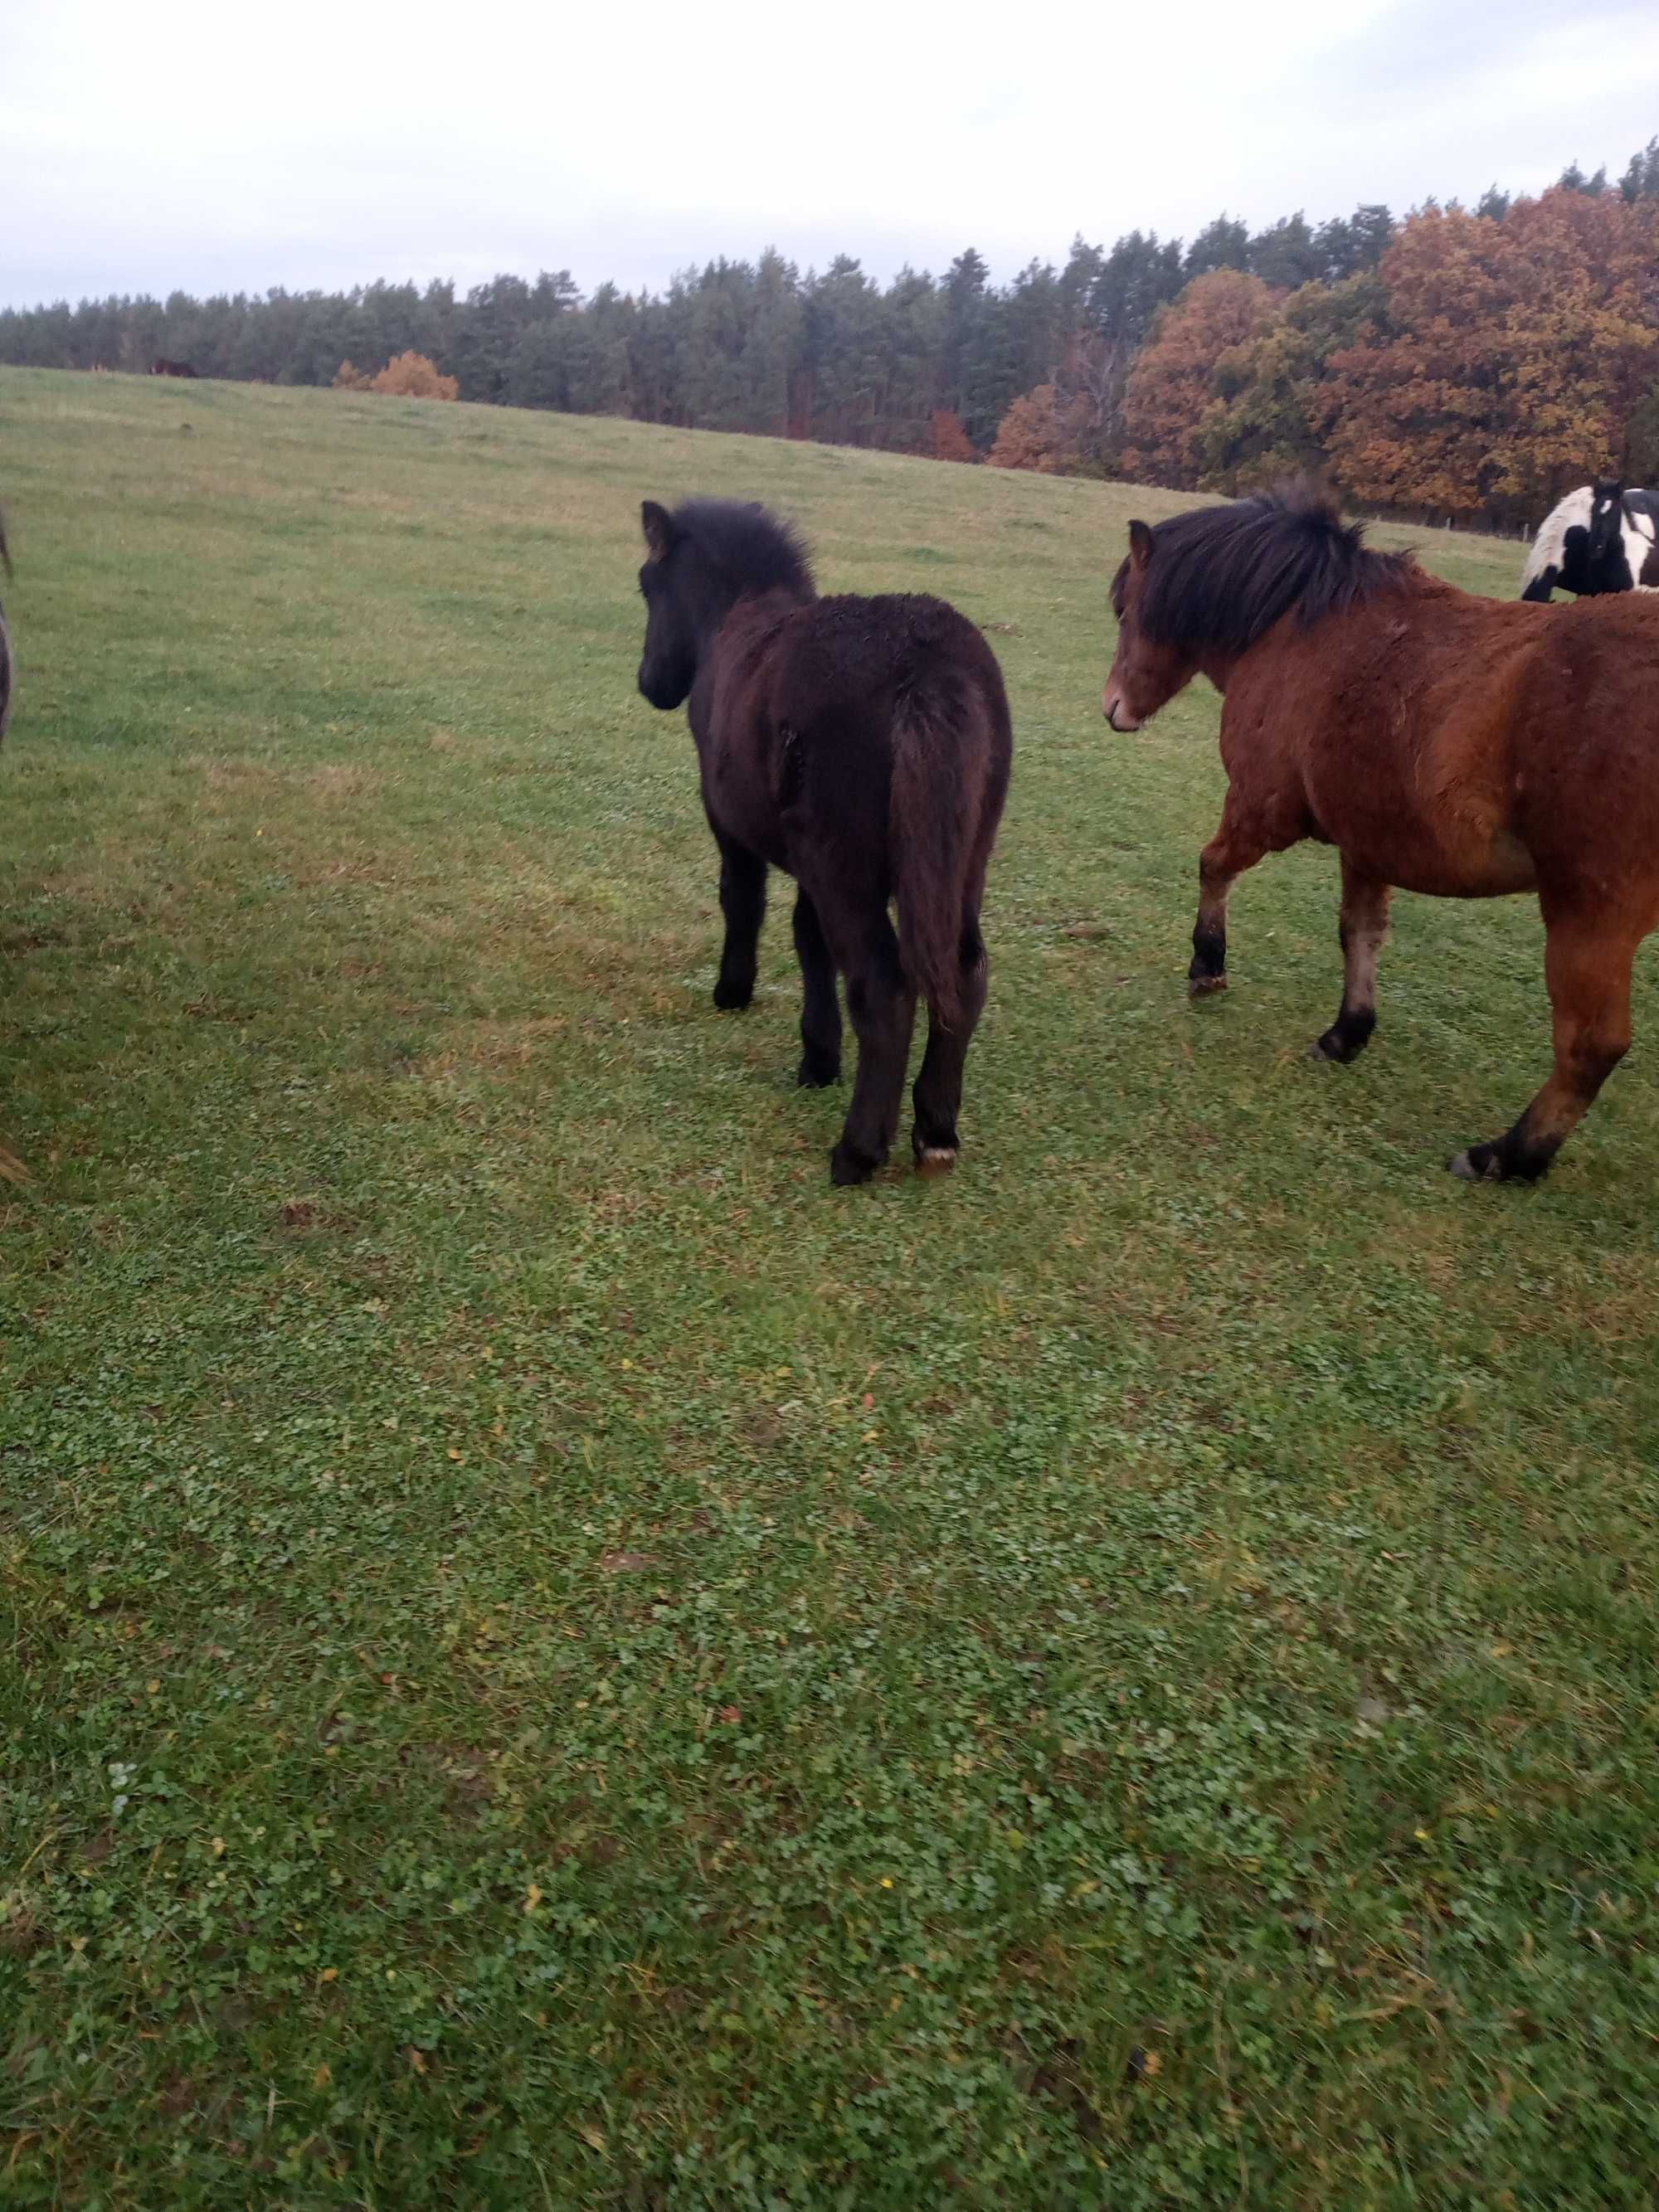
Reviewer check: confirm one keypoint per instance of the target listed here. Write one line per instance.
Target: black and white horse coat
(1599, 539)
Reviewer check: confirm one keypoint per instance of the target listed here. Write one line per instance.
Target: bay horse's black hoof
(732, 998)
(1200, 986)
(1491, 1164)
(1481, 1164)
(1333, 1046)
(817, 1074)
(846, 1168)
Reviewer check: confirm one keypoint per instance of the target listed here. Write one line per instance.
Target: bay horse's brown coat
(1445, 743)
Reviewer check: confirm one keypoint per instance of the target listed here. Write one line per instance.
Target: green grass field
(554, 1660)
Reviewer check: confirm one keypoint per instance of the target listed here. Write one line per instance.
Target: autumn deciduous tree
(412, 376)
(406, 376)
(1265, 414)
(1514, 356)
(1030, 435)
(948, 439)
(1171, 386)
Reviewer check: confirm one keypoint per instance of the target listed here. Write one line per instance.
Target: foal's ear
(1140, 544)
(659, 527)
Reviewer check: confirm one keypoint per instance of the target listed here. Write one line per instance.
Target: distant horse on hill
(863, 746)
(162, 368)
(1459, 746)
(1598, 539)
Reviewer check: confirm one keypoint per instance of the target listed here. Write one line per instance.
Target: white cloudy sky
(214, 145)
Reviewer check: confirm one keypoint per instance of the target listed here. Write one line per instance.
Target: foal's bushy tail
(937, 791)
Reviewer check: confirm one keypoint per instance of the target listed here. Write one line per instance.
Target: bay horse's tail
(940, 765)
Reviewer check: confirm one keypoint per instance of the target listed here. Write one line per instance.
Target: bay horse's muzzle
(1110, 708)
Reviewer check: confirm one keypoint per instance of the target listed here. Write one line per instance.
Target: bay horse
(863, 746)
(1598, 539)
(1462, 747)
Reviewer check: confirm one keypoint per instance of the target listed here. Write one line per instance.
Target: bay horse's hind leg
(1224, 859)
(937, 1096)
(1587, 965)
(820, 1014)
(1364, 926)
(743, 901)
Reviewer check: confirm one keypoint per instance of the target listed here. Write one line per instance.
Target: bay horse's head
(699, 562)
(1146, 672)
(1200, 591)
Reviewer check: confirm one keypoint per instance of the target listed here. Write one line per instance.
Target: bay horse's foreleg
(882, 1011)
(936, 1097)
(743, 901)
(820, 1014)
(1363, 928)
(1586, 966)
(1224, 859)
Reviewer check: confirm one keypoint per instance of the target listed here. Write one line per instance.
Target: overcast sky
(226, 147)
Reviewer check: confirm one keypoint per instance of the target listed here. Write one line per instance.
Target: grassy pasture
(554, 1660)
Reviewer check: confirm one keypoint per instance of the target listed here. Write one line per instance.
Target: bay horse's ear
(659, 527)
(1140, 544)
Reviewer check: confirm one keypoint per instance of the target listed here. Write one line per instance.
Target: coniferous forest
(1468, 362)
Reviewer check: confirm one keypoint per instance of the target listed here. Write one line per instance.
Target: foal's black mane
(757, 550)
(1222, 576)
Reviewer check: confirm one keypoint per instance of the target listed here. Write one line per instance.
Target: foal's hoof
(935, 1159)
(815, 1074)
(847, 1167)
(1201, 987)
(732, 998)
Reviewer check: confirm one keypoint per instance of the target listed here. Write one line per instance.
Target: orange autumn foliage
(949, 440)
(406, 376)
(1513, 356)
(1170, 387)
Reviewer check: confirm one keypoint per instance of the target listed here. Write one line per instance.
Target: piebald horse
(1598, 539)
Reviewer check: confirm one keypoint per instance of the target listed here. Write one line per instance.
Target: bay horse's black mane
(757, 550)
(1222, 576)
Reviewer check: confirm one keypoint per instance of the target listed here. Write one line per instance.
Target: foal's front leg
(743, 901)
(1364, 926)
(1224, 859)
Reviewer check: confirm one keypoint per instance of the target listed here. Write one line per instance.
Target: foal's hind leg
(1587, 967)
(820, 1015)
(883, 1009)
(1231, 850)
(1364, 926)
(936, 1097)
(743, 901)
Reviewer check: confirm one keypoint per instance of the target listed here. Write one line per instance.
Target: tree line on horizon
(1472, 362)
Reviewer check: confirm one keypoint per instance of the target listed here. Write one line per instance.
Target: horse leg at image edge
(1586, 966)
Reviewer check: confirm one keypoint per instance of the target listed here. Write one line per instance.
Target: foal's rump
(892, 748)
